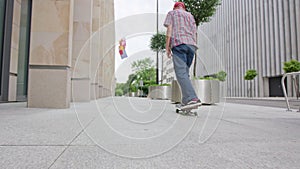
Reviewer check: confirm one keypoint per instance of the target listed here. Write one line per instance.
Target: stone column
(100, 71)
(107, 41)
(95, 42)
(49, 83)
(82, 33)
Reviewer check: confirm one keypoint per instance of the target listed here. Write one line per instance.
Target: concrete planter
(160, 92)
(208, 91)
(176, 92)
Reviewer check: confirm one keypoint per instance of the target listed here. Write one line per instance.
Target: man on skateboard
(181, 45)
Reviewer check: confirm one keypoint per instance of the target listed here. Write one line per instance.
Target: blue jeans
(183, 56)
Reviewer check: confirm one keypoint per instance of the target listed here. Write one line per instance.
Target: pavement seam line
(32, 145)
(69, 145)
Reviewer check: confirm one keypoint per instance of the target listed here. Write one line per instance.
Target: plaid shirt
(183, 27)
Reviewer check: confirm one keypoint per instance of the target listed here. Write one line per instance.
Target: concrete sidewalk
(135, 133)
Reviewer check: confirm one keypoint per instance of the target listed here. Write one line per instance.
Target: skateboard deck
(187, 111)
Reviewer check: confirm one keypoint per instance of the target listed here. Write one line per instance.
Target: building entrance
(275, 87)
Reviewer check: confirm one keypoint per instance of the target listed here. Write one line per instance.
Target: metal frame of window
(6, 50)
(2, 39)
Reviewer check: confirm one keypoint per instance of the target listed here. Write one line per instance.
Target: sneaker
(194, 103)
(179, 105)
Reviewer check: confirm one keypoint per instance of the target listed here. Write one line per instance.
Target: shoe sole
(192, 106)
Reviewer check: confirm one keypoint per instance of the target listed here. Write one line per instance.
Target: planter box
(208, 91)
(176, 92)
(160, 92)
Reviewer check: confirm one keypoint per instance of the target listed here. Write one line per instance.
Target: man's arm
(168, 40)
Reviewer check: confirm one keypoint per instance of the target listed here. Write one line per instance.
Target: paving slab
(139, 133)
(25, 126)
(24, 157)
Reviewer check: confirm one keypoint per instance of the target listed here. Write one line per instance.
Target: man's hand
(169, 53)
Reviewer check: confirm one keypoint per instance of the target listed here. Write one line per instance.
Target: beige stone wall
(51, 32)
(108, 48)
(95, 55)
(103, 62)
(71, 52)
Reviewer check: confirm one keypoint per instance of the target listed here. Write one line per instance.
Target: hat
(179, 4)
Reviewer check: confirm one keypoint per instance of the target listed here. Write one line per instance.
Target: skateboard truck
(187, 111)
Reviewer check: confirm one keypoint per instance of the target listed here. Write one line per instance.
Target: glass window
(24, 50)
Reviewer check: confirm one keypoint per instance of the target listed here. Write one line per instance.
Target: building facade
(245, 35)
(53, 52)
(255, 34)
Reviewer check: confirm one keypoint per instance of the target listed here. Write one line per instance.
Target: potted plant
(208, 88)
(293, 66)
(250, 75)
(133, 91)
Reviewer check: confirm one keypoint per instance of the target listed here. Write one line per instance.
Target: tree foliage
(130, 83)
(141, 65)
(158, 42)
(119, 92)
(143, 71)
(202, 10)
(120, 89)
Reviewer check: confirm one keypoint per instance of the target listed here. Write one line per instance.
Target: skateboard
(187, 111)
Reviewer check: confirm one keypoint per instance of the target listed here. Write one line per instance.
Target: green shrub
(291, 66)
(119, 92)
(250, 74)
(161, 84)
(133, 88)
(221, 76)
(205, 78)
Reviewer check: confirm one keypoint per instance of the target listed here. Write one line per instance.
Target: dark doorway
(275, 87)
